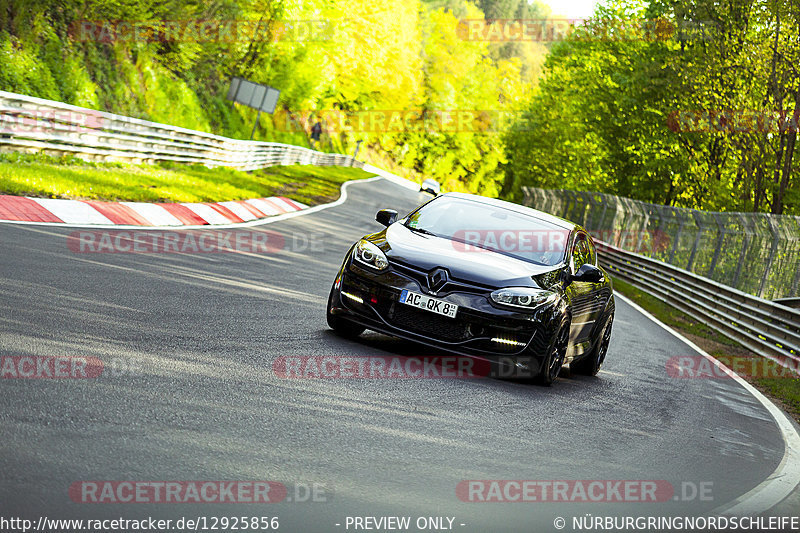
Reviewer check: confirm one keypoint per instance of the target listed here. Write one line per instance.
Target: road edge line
(786, 477)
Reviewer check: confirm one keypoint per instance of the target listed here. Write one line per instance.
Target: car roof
(541, 215)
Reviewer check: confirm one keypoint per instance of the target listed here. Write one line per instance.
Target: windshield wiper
(421, 230)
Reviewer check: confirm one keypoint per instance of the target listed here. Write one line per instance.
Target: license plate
(420, 301)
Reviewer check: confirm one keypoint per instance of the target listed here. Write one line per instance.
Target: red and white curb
(221, 215)
(90, 212)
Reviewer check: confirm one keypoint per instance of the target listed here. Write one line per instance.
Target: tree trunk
(668, 199)
(757, 195)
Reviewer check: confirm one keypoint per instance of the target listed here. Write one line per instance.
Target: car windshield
(476, 227)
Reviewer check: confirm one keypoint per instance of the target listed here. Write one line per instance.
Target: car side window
(580, 253)
(592, 252)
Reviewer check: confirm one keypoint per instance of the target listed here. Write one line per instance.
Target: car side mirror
(588, 273)
(387, 217)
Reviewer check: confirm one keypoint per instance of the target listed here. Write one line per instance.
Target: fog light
(353, 297)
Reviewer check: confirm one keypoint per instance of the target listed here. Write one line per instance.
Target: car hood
(480, 266)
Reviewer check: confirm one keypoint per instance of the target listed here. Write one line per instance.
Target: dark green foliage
(604, 118)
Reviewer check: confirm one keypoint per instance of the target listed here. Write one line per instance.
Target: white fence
(29, 124)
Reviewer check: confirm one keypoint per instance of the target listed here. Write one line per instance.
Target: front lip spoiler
(382, 326)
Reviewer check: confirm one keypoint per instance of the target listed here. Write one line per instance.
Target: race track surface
(188, 341)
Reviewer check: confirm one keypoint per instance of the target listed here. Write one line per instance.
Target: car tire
(556, 352)
(339, 324)
(590, 364)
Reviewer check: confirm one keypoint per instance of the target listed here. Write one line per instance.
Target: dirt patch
(288, 188)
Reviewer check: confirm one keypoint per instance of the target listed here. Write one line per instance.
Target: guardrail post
(565, 212)
(527, 197)
(643, 228)
(540, 199)
(718, 247)
(700, 229)
(547, 201)
(681, 223)
(587, 209)
(774, 231)
(603, 214)
(615, 227)
(633, 213)
(554, 197)
(665, 217)
(743, 253)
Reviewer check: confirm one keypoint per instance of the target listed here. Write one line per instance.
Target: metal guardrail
(29, 124)
(655, 235)
(789, 302)
(767, 328)
(758, 253)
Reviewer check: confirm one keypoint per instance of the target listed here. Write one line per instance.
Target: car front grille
(429, 324)
(452, 285)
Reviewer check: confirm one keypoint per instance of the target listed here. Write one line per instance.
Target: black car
(480, 277)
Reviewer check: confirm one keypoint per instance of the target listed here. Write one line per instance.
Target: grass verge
(780, 385)
(69, 177)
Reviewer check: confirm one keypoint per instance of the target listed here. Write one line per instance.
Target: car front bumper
(371, 298)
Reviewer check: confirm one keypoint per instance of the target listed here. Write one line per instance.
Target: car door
(582, 294)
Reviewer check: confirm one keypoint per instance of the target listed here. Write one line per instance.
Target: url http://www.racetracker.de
(196, 523)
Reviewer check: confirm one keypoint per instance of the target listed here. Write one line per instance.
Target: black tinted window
(581, 254)
(592, 251)
(479, 226)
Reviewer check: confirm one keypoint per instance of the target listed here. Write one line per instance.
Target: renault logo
(437, 278)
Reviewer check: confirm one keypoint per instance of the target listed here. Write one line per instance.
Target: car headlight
(526, 297)
(371, 255)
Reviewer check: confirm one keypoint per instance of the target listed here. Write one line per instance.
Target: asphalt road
(191, 339)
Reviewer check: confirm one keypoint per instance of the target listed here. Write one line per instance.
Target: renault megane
(480, 277)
